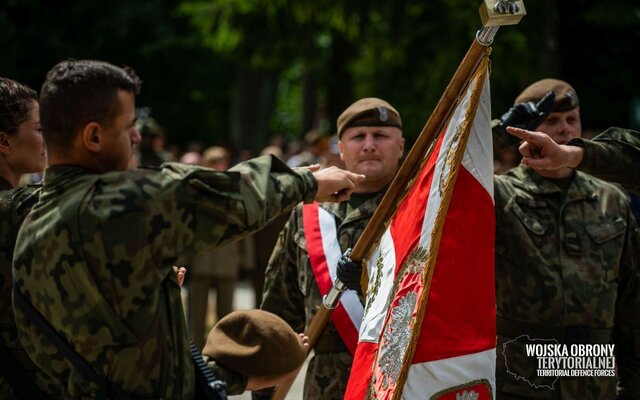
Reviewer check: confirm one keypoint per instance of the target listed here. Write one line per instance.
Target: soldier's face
(562, 126)
(26, 144)
(373, 151)
(120, 135)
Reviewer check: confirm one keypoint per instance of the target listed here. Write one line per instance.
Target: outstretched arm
(539, 151)
(613, 155)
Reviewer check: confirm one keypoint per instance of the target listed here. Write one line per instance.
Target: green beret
(565, 95)
(255, 343)
(369, 111)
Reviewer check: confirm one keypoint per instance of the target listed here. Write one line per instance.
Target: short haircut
(15, 101)
(77, 92)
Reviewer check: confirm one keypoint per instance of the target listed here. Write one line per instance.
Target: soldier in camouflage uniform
(371, 143)
(565, 263)
(613, 156)
(94, 256)
(21, 152)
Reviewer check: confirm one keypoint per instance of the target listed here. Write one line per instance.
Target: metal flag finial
(506, 6)
(501, 12)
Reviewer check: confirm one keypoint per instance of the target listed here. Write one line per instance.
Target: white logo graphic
(554, 360)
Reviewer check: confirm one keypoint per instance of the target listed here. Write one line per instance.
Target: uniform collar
(57, 174)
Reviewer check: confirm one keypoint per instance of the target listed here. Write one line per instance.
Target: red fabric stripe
(361, 371)
(406, 225)
(313, 236)
(345, 328)
(460, 315)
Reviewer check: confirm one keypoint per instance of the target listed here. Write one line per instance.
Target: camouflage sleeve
(626, 333)
(236, 382)
(614, 156)
(213, 208)
(183, 209)
(281, 293)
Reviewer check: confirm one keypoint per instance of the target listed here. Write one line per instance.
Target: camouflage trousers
(327, 376)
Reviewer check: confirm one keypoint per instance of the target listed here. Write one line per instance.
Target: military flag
(428, 330)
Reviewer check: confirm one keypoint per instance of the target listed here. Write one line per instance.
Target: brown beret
(255, 343)
(565, 95)
(370, 111)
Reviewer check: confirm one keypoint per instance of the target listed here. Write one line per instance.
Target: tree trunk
(309, 100)
(253, 105)
(340, 83)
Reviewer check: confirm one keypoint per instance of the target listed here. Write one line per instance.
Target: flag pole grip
(331, 299)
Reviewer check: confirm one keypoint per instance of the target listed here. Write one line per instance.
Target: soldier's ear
(5, 143)
(401, 147)
(91, 136)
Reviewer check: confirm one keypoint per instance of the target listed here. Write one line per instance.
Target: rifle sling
(110, 389)
(207, 385)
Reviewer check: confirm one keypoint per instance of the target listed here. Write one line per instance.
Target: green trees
(327, 53)
(185, 86)
(237, 71)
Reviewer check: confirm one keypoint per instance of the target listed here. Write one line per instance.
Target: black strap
(109, 389)
(17, 376)
(208, 387)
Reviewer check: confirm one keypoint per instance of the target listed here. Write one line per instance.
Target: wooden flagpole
(492, 19)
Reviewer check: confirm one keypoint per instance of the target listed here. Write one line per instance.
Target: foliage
(188, 53)
(185, 86)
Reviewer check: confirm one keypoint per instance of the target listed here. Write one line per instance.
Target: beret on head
(370, 111)
(255, 343)
(565, 95)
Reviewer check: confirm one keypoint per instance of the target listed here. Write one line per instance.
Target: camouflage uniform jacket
(14, 206)
(563, 262)
(95, 257)
(614, 156)
(291, 291)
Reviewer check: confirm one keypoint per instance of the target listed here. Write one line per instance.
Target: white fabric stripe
(426, 379)
(332, 254)
(480, 145)
(377, 309)
(443, 169)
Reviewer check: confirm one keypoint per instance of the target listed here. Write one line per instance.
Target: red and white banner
(429, 326)
(324, 252)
